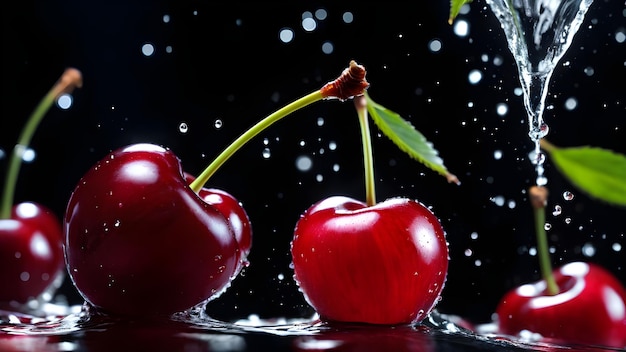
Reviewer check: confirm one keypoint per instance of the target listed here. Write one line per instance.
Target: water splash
(538, 33)
(83, 327)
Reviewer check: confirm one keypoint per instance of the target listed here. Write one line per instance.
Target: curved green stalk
(71, 78)
(538, 199)
(368, 159)
(199, 182)
(350, 83)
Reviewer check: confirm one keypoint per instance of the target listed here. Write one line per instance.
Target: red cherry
(236, 215)
(31, 253)
(140, 241)
(589, 309)
(382, 264)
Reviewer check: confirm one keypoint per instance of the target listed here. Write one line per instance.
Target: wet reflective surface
(195, 331)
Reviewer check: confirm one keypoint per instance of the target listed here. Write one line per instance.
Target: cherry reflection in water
(364, 338)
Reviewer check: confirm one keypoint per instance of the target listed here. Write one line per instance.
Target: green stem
(350, 83)
(202, 179)
(542, 242)
(368, 159)
(16, 156)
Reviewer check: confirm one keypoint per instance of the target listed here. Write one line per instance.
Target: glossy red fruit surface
(140, 241)
(31, 253)
(590, 308)
(383, 264)
(234, 212)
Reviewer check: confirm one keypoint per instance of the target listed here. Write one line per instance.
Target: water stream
(538, 33)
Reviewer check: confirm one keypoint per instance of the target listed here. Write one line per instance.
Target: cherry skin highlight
(139, 241)
(382, 264)
(590, 308)
(31, 253)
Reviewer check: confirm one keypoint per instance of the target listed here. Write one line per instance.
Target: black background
(227, 63)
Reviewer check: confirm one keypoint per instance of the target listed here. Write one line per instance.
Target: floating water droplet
(542, 181)
(498, 200)
(147, 49)
(568, 220)
(537, 158)
(183, 127)
(468, 252)
(588, 249)
(547, 226)
(557, 210)
(26, 154)
(218, 124)
(571, 103)
(304, 163)
(567, 195)
(266, 153)
(25, 276)
(64, 101)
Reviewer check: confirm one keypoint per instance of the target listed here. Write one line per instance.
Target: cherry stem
(70, 79)
(538, 199)
(368, 160)
(202, 179)
(350, 83)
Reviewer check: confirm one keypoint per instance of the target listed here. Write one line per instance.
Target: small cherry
(379, 264)
(367, 262)
(31, 247)
(142, 237)
(579, 302)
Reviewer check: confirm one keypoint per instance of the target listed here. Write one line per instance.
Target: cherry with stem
(70, 80)
(31, 240)
(579, 302)
(381, 263)
(139, 229)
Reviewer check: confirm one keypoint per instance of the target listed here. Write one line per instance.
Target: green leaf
(601, 173)
(455, 8)
(407, 138)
